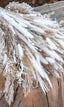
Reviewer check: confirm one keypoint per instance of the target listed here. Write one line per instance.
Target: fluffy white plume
(31, 48)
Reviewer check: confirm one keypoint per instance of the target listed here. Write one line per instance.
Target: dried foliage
(31, 48)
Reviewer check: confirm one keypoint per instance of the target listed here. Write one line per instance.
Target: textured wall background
(31, 2)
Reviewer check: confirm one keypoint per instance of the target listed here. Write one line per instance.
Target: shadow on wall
(3, 3)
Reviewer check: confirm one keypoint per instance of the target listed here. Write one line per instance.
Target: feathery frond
(31, 48)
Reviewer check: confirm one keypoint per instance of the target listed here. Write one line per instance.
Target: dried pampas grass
(31, 48)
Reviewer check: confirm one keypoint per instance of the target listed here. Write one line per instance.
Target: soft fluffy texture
(31, 48)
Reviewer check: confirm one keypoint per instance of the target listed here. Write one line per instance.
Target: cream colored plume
(31, 48)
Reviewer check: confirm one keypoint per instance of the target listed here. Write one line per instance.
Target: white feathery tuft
(31, 48)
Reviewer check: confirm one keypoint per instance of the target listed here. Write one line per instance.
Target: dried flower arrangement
(31, 48)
